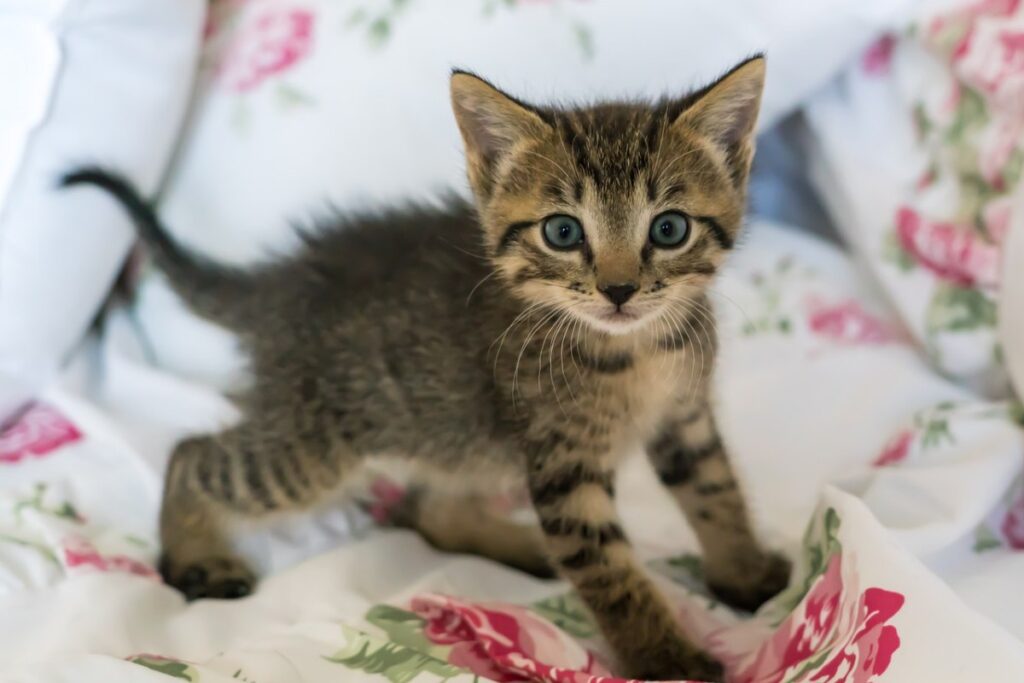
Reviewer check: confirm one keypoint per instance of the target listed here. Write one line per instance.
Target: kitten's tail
(212, 290)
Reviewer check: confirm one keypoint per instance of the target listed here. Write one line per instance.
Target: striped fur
(456, 338)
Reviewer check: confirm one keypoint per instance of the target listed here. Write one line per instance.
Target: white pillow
(84, 81)
(308, 101)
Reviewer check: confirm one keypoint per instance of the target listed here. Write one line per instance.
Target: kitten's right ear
(490, 121)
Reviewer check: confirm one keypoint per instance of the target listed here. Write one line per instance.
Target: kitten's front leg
(691, 461)
(573, 495)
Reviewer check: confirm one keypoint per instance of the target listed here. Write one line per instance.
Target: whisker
(522, 350)
(484, 279)
(561, 356)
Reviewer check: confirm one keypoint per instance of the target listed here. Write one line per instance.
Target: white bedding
(898, 490)
(914, 574)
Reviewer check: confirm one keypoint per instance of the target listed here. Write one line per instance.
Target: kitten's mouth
(619, 316)
(616, 320)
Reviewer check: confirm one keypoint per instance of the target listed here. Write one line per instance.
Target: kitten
(541, 334)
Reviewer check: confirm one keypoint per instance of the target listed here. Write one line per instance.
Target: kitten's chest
(630, 405)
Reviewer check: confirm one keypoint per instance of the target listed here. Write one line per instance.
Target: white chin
(617, 323)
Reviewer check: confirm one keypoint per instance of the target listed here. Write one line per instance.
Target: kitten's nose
(619, 294)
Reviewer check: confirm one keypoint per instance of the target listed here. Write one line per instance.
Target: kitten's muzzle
(619, 294)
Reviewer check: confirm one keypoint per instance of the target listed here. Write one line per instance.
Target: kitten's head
(615, 213)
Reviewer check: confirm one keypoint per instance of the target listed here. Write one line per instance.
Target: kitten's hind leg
(468, 524)
(217, 482)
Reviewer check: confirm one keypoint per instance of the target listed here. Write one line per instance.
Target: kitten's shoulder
(366, 243)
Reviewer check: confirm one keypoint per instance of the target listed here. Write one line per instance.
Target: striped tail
(212, 290)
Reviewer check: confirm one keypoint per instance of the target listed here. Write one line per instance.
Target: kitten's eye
(563, 232)
(670, 229)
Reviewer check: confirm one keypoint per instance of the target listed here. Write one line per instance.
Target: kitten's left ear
(726, 112)
(490, 121)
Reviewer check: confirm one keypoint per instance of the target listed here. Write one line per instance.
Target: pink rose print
(851, 644)
(969, 15)
(79, 552)
(997, 218)
(799, 636)
(991, 59)
(951, 252)
(878, 57)
(40, 430)
(896, 450)
(505, 642)
(868, 651)
(1013, 522)
(996, 147)
(271, 42)
(847, 323)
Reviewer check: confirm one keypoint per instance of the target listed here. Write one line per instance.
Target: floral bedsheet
(858, 399)
(898, 493)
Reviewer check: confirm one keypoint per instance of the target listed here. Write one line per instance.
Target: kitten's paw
(225, 578)
(753, 589)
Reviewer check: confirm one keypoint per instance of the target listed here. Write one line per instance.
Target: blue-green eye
(670, 229)
(563, 232)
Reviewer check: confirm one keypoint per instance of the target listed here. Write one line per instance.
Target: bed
(866, 387)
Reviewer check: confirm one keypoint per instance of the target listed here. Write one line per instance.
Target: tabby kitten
(540, 335)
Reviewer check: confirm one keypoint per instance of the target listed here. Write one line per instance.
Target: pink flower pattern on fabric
(847, 322)
(505, 642)
(951, 252)
(878, 58)
(856, 640)
(996, 149)
(269, 43)
(896, 450)
(38, 431)
(870, 645)
(991, 57)
(1012, 525)
(78, 552)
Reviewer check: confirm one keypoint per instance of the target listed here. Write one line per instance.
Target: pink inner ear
(482, 130)
(744, 119)
(727, 112)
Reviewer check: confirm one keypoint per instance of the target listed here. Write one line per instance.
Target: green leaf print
(137, 541)
(62, 510)
(809, 666)
(820, 543)
(971, 115)
(168, 667)
(290, 96)
(894, 253)
(984, 539)
(394, 661)
(1014, 168)
(380, 30)
(39, 547)
(771, 319)
(584, 38)
(690, 563)
(922, 123)
(1016, 412)
(568, 613)
(403, 627)
(935, 432)
(958, 309)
